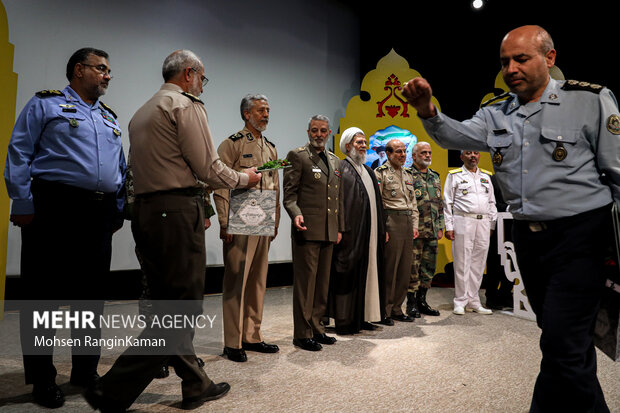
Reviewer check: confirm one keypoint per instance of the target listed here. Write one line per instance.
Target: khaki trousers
(245, 281)
(398, 256)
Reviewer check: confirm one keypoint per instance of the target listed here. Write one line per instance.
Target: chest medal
(559, 153)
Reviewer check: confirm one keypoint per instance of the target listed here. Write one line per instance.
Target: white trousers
(469, 253)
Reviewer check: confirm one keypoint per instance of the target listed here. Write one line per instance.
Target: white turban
(347, 137)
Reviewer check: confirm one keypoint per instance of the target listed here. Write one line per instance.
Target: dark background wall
(457, 48)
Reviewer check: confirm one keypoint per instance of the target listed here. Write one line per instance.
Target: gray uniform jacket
(553, 158)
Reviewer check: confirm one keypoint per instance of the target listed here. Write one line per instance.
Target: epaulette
(109, 109)
(236, 136)
(381, 168)
(577, 85)
(433, 171)
(301, 149)
(269, 142)
(48, 93)
(192, 97)
(496, 99)
(486, 172)
(454, 171)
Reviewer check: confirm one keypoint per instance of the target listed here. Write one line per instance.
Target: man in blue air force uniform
(65, 173)
(555, 147)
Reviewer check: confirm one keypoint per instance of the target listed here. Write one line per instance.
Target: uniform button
(328, 210)
(329, 199)
(524, 199)
(335, 211)
(526, 143)
(560, 137)
(527, 122)
(525, 171)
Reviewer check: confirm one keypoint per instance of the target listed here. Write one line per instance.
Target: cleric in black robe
(356, 281)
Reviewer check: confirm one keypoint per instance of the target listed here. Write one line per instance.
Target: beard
(357, 157)
(258, 125)
(317, 145)
(424, 164)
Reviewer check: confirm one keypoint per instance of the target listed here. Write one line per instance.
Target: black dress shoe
(86, 380)
(403, 317)
(96, 400)
(369, 326)
(324, 339)
(261, 347)
(235, 354)
(163, 372)
(307, 344)
(213, 392)
(387, 321)
(48, 394)
(200, 362)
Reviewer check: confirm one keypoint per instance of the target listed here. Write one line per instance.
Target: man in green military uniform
(427, 189)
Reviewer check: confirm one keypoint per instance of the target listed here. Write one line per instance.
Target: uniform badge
(317, 175)
(68, 108)
(73, 123)
(613, 124)
(553, 96)
(108, 118)
(393, 193)
(559, 153)
(418, 193)
(465, 191)
(116, 132)
(497, 158)
(390, 177)
(250, 137)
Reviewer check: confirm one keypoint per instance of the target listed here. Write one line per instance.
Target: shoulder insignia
(381, 168)
(269, 142)
(577, 85)
(454, 171)
(192, 97)
(433, 171)
(109, 109)
(48, 93)
(301, 149)
(486, 172)
(496, 99)
(236, 136)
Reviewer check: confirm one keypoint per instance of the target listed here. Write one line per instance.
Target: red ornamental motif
(392, 84)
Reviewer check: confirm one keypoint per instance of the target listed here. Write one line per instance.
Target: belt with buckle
(536, 226)
(399, 212)
(475, 216)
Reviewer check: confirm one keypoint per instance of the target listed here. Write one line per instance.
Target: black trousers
(169, 232)
(561, 263)
(65, 256)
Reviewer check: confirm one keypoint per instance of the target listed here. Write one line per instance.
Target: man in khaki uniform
(246, 256)
(311, 198)
(171, 147)
(396, 184)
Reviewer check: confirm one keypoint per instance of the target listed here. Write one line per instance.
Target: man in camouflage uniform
(427, 189)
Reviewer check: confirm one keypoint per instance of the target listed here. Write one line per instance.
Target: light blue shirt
(533, 183)
(59, 137)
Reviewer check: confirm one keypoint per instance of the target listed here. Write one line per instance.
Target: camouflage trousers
(424, 263)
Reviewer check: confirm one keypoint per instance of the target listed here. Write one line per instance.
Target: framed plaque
(252, 212)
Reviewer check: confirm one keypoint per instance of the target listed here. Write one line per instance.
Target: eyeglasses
(202, 77)
(102, 69)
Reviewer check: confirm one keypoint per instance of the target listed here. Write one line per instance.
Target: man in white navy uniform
(555, 147)
(470, 216)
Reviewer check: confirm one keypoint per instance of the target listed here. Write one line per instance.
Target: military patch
(484, 181)
(269, 142)
(236, 136)
(109, 109)
(317, 175)
(116, 132)
(192, 98)
(577, 85)
(74, 123)
(48, 93)
(250, 137)
(486, 172)
(613, 124)
(496, 99)
(108, 117)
